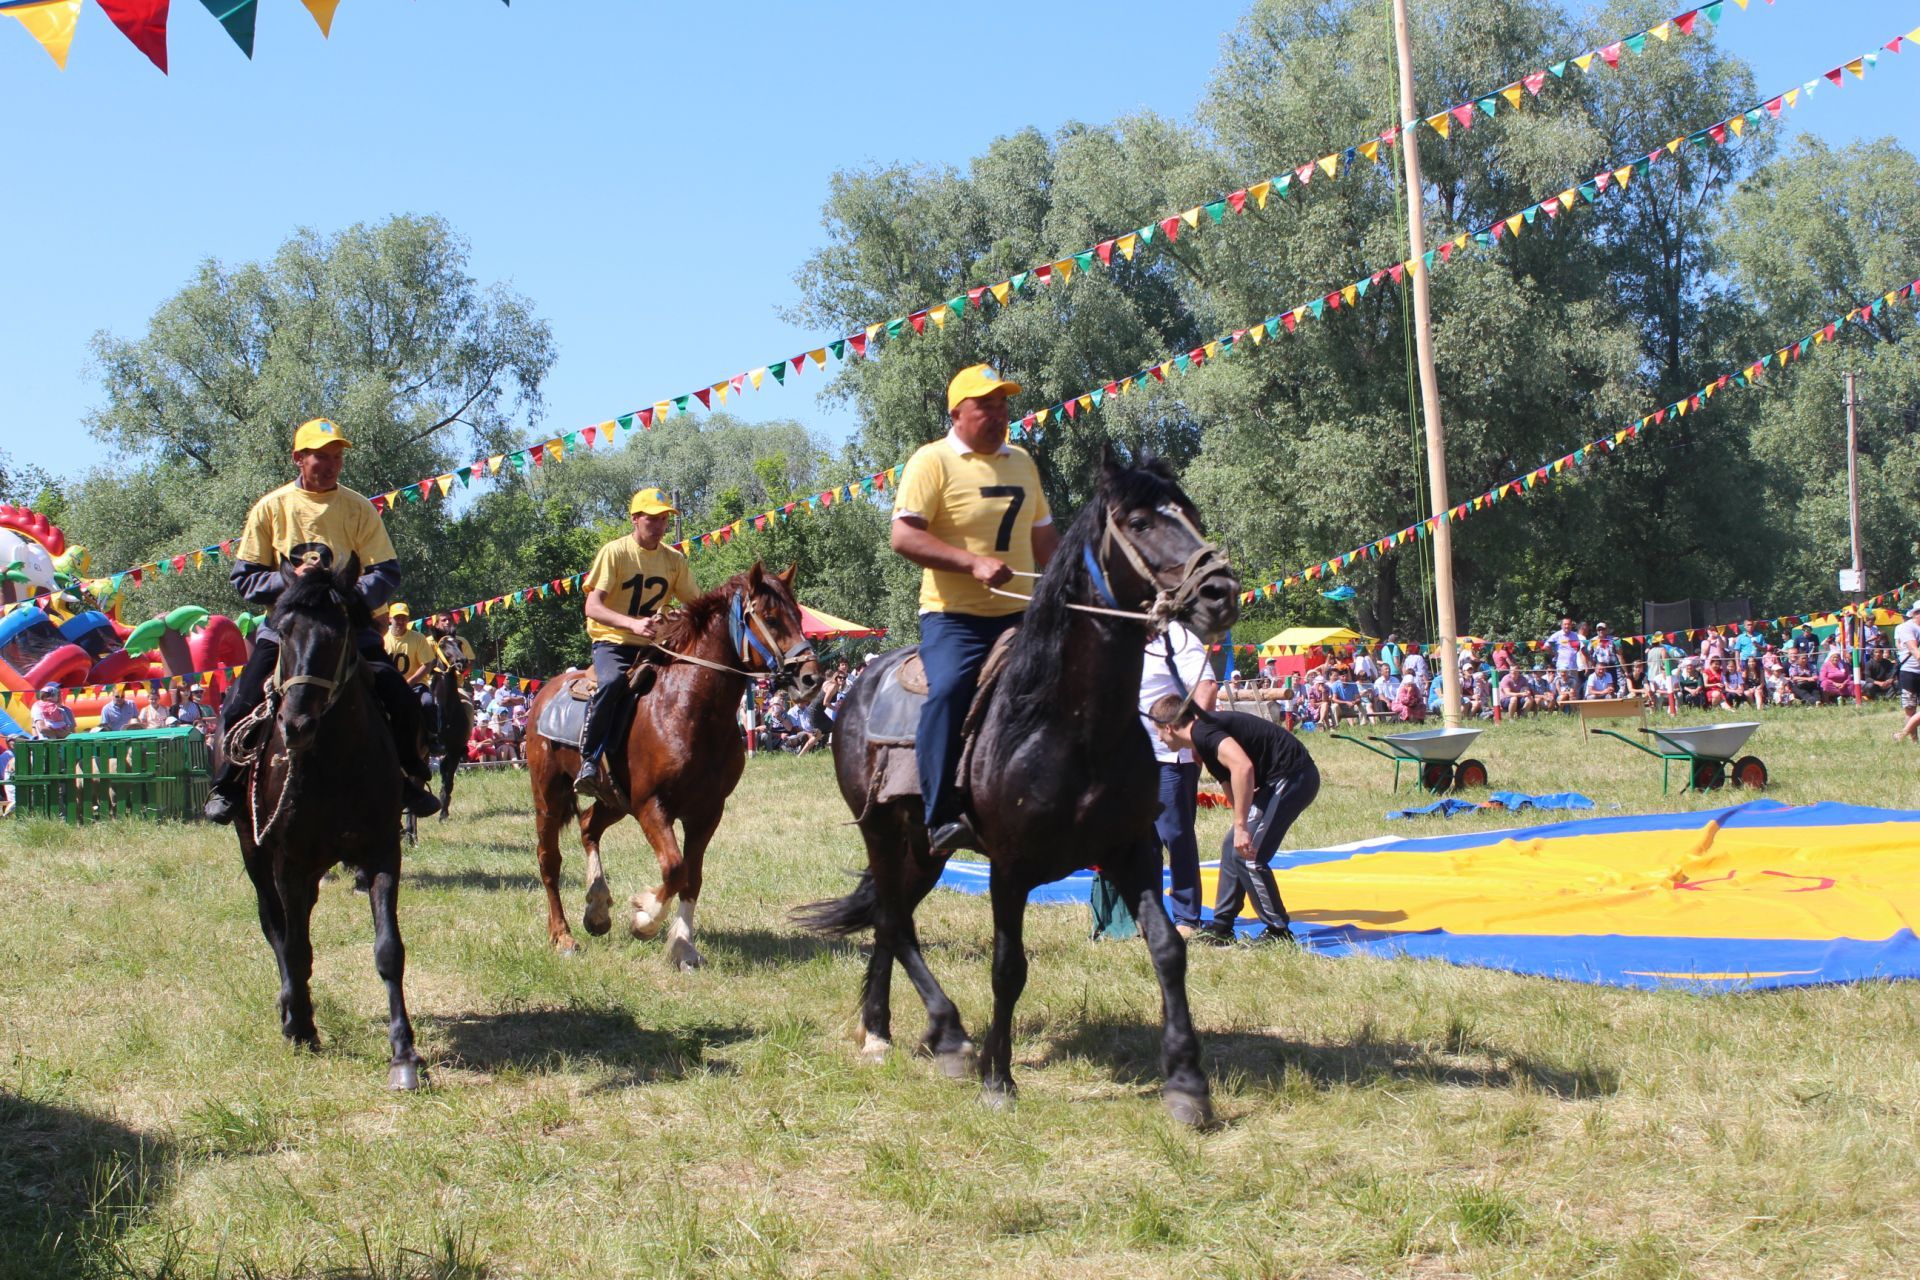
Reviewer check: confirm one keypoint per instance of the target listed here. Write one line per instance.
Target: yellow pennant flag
(872, 331)
(1125, 244)
(661, 410)
(1439, 124)
(1673, 146)
(1259, 191)
(1793, 95)
(1460, 241)
(939, 315)
(1859, 68)
(1212, 349)
(1739, 126)
(1040, 418)
(556, 449)
(51, 24)
(1567, 198)
(1301, 311)
(495, 463)
(720, 389)
(1350, 294)
(1661, 32)
(1512, 94)
(819, 357)
(1002, 291)
(1064, 269)
(758, 376)
(1086, 403)
(1330, 164)
(1191, 217)
(1622, 174)
(322, 11)
(1515, 223)
(1371, 150)
(1584, 61)
(443, 483)
(1258, 333)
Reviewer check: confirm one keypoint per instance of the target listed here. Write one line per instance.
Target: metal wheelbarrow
(1708, 751)
(1435, 753)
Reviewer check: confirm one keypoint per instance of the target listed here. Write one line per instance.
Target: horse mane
(318, 598)
(1040, 653)
(681, 628)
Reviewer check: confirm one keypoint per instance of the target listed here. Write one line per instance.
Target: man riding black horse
(315, 524)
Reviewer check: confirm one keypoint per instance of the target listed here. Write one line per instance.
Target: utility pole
(1442, 538)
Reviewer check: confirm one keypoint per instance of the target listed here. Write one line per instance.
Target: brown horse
(683, 753)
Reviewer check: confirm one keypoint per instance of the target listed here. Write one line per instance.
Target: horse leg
(597, 916)
(699, 829)
(449, 763)
(550, 811)
(390, 962)
(945, 1040)
(1185, 1093)
(273, 924)
(297, 894)
(1009, 980)
(650, 906)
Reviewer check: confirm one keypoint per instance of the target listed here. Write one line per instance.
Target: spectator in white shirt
(51, 720)
(1176, 663)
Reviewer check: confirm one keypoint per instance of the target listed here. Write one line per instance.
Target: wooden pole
(1442, 538)
(1859, 591)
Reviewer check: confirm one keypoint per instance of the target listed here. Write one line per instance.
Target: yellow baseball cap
(398, 609)
(318, 433)
(977, 380)
(651, 502)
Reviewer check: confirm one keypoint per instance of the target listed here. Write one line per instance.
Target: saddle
(563, 720)
(893, 720)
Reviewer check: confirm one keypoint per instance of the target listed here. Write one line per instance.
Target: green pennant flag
(1146, 235)
(519, 461)
(1559, 70)
(1711, 12)
(680, 403)
(779, 367)
(1099, 396)
(1530, 213)
(958, 304)
(626, 421)
(1217, 211)
(1361, 286)
(237, 16)
(1489, 104)
(1017, 281)
(1589, 192)
(838, 348)
(1317, 306)
(464, 475)
(1484, 239)
(1636, 43)
(894, 327)
(1182, 362)
(1084, 260)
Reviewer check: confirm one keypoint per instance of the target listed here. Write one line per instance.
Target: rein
(1168, 603)
(246, 741)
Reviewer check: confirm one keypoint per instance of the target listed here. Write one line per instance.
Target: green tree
(378, 327)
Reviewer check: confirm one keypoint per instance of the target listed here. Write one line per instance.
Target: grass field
(604, 1116)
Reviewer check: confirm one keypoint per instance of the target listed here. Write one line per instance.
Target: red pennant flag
(425, 487)
(859, 344)
(1719, 134)
(1237, 201)
(1288, 321)
(646, 418)
(976, 294)
(1534, 82)
(538, 453)
(145, 23)
(1686, 20)
(179, 564)
(1170, 228)
(705, 396)
(919, 321)
(588, 433)
(1069, 406)
(1043, 273)
(1464, 114)
(1773, 108)
(1397, 271)
(799, 363)
(1835, 74)
(1612, 54)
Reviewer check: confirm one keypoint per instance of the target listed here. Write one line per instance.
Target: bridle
(1170, 601)
(344, 668)
(246, 741)
(752, 638)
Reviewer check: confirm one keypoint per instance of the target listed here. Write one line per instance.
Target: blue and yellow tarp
(1757, 895)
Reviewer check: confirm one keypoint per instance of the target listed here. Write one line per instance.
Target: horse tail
(841, 917)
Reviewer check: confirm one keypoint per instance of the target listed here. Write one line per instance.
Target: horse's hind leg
(1185, 1092)
(390, 962)
(551, 810)
(1009, 980)
(449, 763)
(946, 1038)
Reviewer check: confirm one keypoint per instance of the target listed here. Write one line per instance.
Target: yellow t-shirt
(410, 651)
(986, 503)
(291, 522)
(638, 582)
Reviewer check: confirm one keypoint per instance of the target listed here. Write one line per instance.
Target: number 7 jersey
(987, 503)
(638, 582)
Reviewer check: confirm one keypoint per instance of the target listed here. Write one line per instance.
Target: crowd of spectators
(499, 725)
(1754, 667)
(797, 729)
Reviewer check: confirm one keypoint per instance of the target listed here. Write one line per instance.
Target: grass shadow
(1131, 1050)
(470, 879)
(539, 1040)
(765, 947)
(74, 1183)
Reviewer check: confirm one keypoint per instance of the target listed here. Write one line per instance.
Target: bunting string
(1748, 375)
(10, 698)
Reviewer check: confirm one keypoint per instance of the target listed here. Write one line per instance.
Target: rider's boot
(223, 798)
(957, 834)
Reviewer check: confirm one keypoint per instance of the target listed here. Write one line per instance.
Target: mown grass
(604, 1116)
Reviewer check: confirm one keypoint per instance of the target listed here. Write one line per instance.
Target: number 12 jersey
(638, 582)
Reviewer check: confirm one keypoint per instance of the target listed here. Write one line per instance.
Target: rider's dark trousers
(389, 686)
(953, 648)
(611, 662)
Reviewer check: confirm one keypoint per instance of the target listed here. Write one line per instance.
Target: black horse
(1061, 776)
(455, 716)
(324, 788)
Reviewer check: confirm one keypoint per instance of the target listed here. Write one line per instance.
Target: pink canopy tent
(823, 626)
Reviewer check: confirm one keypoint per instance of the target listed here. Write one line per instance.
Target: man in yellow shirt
(316, 524)
(632, 579)
(416, 658)
(970, 512)
(440, 630)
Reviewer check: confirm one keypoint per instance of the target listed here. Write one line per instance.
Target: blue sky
(651, 176)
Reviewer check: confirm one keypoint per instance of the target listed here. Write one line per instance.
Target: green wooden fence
(154, 773)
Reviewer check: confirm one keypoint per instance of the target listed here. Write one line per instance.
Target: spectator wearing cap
(1541, 686)
(1906, 657)
(52, 719)
(119, 714)
(1604, 654)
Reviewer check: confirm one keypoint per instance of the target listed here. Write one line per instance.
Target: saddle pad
(895, 772)
(582, 688)
(563, 720)
(894, 716)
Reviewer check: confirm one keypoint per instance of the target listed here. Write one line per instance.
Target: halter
(246, 741)
(343, 670)
(751, 638)
(1169, 602)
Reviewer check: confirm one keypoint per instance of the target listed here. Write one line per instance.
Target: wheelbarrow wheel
(1748, 772)
(1437, 776)
(1709, 775)
(1469, 773)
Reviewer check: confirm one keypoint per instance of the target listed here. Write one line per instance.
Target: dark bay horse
(1061, 776)
(683, 752)
(456, 717)
(325, 788)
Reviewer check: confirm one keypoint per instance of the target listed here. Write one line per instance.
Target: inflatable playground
(60, 628)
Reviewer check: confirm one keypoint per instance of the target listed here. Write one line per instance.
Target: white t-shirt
(1906, 633)
(1156, 682)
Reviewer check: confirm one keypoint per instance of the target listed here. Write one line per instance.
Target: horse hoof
(996, 1099)
(644, 926)
(404, 1076)
(1190, 1109)
(684, 958)
(957, 1064)
(598, 917)
(874, 1048)
(567, 947)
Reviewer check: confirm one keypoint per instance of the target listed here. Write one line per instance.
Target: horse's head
(316, 617)
(1149, 550)
(768, 628)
